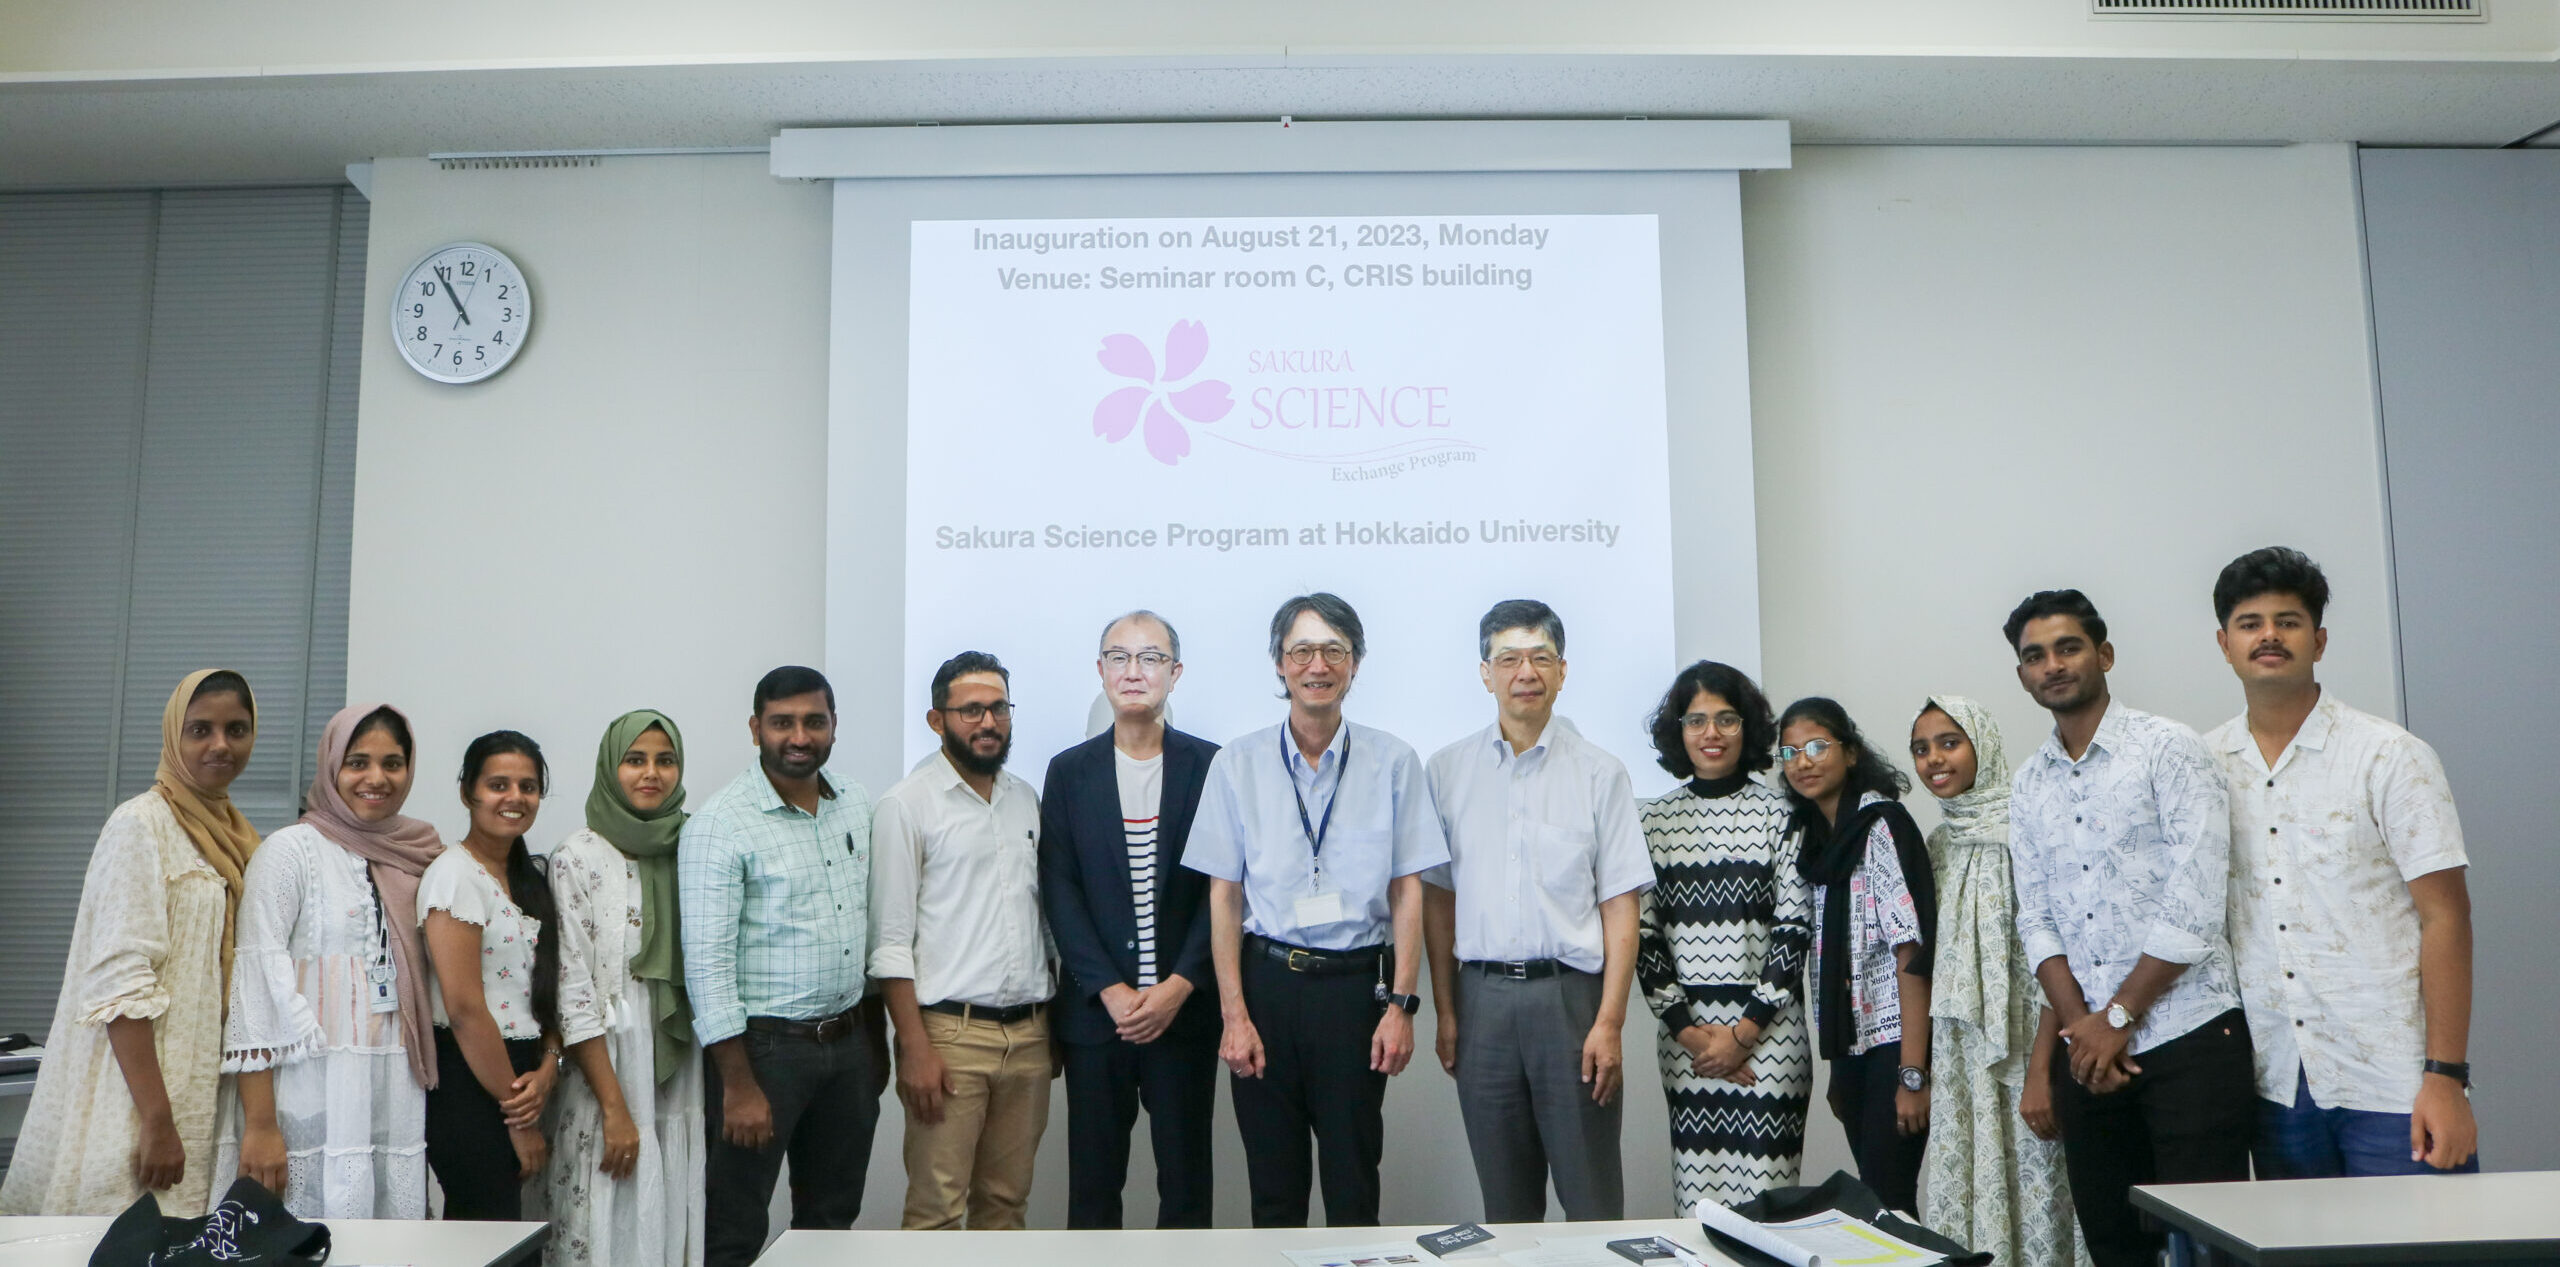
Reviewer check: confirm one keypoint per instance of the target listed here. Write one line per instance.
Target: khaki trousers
(977, 1160)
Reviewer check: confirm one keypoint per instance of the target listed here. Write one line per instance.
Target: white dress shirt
(955, 890)
(2323, 846)
(2125, 853)
(1537, 841)
(1248, 830)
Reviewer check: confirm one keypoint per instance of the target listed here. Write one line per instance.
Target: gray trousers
(1528, 1111)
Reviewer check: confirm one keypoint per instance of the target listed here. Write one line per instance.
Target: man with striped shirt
(1132, 929)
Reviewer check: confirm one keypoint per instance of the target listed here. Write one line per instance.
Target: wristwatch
(2458, 1070)
(2118, 1017)
(1411, 1003)
(1915, 1078)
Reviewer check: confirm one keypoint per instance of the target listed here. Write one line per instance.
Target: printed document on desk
(1388, 1254)
(1828, 1239)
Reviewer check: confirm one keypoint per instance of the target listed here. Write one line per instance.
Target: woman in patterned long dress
(132, 1071)
(1721, 945)
(626, 1161)
(1993, 1176)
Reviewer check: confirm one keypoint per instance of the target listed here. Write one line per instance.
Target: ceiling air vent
(2401, 10)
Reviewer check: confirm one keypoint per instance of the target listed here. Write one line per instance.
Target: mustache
(2277, 647)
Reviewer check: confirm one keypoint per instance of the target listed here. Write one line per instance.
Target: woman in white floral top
(626, 1183)
(495, 979)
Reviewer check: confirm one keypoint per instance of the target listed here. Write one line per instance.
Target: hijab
(1975, 982)
(221, 834)
(396, 851)
(648, 839)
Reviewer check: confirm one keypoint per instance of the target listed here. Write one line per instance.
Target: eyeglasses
(1335, 654)
(1724, 723)
(1542, 661)
(1814, 750)
(1148, 661)
(975, 713)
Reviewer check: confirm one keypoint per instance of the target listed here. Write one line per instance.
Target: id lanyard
(380, 995)
(1316, 829)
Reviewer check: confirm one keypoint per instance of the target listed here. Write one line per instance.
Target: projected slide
(1424, 414)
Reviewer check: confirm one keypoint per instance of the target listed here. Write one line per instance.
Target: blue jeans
(2305, 1141)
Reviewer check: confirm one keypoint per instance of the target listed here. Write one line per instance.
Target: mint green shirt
(776, 904)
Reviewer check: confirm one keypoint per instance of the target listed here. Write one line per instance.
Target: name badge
(1320, 908)
(379, 992)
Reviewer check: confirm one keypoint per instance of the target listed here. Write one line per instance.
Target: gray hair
(1142, 613)
(1329, 609)
(1519, 613)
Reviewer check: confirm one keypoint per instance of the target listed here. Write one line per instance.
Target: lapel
(1105, 826)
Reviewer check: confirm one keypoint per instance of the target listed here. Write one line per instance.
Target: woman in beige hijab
(132, 1072)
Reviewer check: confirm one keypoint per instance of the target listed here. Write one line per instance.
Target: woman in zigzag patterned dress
(1721, 944)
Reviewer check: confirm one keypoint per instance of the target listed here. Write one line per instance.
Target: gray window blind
(177, 461)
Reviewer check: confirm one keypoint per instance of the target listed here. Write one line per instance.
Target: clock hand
(456, 300)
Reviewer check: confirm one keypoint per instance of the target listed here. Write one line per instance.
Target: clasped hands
(1721, 1051)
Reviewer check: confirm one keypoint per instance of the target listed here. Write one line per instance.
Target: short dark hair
(2045, 603)
(389, 721)
(790, 680)
(958, 666)
(1868, 770)
(1329, 609)
(1518, 613)
(1733, 686)
(226, 682)
(2273, 570)
(1171, 635)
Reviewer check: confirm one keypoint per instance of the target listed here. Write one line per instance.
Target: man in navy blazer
(1137, 1005)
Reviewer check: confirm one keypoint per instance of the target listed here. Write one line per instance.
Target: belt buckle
(1517, 969)
(1295, 954)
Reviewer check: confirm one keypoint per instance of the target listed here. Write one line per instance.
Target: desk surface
(2417, 1218)
(66, 1242)
(1227, 1247)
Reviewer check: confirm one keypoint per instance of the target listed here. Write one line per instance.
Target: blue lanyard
(1316, 830)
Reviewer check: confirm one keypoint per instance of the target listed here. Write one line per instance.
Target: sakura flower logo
(1161, 401)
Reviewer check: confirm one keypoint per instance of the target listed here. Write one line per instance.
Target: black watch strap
(1411, 1003)
(2458, 1070)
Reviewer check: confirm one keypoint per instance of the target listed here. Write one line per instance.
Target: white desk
(67, 1242)
(1224, 1247)
(2511, 1217)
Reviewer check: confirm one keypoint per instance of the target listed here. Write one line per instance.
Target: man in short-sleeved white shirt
(2350, 919)
(1534, 919)
(1314, 834)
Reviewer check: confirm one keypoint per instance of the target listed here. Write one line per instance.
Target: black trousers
(2188, 1117)
(826, 1103)
(1176, 1078)
(467, 1144)
(1315, 1081)
(1862, 1090)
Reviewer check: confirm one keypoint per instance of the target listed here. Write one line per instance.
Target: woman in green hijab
(625, 1177)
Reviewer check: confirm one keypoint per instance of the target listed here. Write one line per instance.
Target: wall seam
(133, 493)
(2381, 436)
(319, 480)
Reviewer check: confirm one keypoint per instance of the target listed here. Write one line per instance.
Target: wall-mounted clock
(461, 313)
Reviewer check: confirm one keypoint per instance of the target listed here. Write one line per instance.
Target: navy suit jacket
(1084, 887)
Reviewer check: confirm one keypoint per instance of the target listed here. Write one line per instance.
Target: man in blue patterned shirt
(2120, 842)
(773, 877)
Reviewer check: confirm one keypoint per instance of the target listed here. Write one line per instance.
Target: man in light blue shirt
(1314, 834)
(773, 878)
(1532, 932)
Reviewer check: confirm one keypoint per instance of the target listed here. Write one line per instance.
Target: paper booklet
(1390, 1254)
(1828, 1239)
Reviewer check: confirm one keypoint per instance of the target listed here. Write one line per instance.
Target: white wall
(1975, 372)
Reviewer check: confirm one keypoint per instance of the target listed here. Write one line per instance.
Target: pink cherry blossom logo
(1186, 345)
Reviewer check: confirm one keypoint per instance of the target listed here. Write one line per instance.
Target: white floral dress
(654, 1216)
(147, 944)
(354, 1119)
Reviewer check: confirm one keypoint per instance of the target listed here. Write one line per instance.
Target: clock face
(462, 313)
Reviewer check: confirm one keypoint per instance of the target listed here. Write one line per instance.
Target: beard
(967, 758)
(775, 762)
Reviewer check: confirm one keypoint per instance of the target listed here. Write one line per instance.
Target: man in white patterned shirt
(2120, 842)
(961, 951)
(2349, 914)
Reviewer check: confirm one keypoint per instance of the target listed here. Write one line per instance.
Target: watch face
(2117, 1016)
(462, 313)
(1914, 1080)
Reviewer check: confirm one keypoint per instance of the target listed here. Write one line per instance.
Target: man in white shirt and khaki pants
(963, 958)
(1531, 929)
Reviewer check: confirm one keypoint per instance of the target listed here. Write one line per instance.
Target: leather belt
(1319, 962)
(1014, 1015)
(1521, 969)
(825, 1031)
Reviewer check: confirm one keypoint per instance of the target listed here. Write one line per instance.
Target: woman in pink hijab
(328, 1027)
